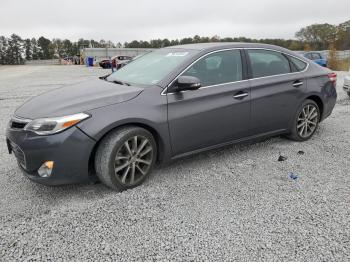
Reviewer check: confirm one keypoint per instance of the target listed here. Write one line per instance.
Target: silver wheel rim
(307, 121)
(133, 160)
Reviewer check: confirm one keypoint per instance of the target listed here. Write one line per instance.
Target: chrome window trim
(163, 93)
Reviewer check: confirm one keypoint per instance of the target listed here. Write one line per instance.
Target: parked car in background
(347, 84)
(125, 62)
(116, 61)
(167, 104)
(105, 63)
(120, 61)
(317, 57)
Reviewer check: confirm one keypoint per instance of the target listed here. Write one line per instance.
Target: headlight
(48, 126)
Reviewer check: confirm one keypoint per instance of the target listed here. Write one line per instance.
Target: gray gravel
(236, 203)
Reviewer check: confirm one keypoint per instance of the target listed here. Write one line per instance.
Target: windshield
(151, 68)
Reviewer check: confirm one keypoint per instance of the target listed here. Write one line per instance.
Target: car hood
(77, 98)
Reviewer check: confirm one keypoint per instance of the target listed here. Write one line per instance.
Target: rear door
(216, 113)
(276, 90)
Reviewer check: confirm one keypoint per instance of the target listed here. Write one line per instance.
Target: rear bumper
(329, 101)
(70, 151)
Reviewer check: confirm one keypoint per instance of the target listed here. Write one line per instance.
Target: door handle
(298, 83)
(240, 95)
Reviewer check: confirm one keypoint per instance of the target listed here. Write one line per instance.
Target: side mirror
(185, 83)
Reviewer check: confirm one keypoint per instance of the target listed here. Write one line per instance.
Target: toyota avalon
(168, 104)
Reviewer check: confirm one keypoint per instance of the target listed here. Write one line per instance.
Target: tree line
(15, 50)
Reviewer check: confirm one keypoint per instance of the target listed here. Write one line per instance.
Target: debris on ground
(282, 158)
(293, 176)
(300, 152)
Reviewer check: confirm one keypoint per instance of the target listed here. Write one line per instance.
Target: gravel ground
(236, 203)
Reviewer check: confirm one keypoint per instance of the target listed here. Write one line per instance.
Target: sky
(121, 21)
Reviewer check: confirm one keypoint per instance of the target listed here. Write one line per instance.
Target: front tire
(306, 121)
(125, 158)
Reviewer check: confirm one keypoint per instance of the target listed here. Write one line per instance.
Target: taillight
(333, 78)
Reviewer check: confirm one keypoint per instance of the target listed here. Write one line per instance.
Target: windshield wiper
(121, 83)
(104, 77)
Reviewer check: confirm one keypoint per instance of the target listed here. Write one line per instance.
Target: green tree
(174, 42)
(165, 42)
(133, 44)
(185, 41)
(57, 47)
(102, 43)
(196, 39)
(28, 54)
(47, 49)
(67, 48)
(343, 36)
(295, 45)
(156, 43)
(318, 35)
(3, 50)
(35, 49)
(15, 50)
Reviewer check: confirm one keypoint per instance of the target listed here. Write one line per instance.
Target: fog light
(46, 169)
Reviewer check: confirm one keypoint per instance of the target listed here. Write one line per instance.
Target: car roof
(222, 45)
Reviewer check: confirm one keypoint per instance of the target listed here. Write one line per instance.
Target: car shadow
(98, 190)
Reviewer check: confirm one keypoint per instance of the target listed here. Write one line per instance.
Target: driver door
(218, 112)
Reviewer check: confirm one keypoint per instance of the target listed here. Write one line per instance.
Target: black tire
(295, 132)
(349, 94)
(107, 161)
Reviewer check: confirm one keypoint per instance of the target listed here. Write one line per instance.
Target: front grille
(18, 152)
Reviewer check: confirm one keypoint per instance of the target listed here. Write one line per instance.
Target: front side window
(217, 68)
(268, 63)
(151, 68)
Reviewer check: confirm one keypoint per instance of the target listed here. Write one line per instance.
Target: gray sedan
(168, 104)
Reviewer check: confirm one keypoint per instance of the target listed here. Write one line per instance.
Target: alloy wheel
(133, 160)
(307, 121)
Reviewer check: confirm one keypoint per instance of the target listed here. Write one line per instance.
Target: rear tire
(306, 121)
(125, 158)
(349, 94)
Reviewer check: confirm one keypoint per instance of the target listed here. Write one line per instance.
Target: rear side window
(217, 68)
(268, 63)
(299, 65)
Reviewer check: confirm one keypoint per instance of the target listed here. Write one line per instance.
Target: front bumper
(70, 150)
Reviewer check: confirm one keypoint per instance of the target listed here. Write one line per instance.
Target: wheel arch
(157, 137)
(319, 103)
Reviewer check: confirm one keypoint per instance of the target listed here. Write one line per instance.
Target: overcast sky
(122, 21)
